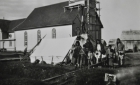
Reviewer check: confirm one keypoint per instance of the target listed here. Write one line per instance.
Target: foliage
(25, 72)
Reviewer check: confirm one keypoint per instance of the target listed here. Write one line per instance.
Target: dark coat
(89, 46)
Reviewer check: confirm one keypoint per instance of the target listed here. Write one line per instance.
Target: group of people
(99, 53)
(80, 56)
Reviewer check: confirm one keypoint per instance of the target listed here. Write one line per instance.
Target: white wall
(139, 45)
(130, 44)
(61, 32)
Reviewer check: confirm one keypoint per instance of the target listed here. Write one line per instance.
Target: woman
(119, 50)
(89, 47)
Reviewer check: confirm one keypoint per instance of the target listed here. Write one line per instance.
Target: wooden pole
(35, 58)
(42, 58)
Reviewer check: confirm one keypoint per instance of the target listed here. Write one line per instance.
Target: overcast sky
(116, 15)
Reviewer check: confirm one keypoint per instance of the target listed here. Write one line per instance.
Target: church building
(61, 20)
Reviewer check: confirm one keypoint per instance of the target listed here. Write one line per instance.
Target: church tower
(88, 16)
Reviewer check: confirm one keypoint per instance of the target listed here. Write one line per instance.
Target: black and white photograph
(69, 42)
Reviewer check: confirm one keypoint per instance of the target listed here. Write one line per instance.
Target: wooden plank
(10, 59)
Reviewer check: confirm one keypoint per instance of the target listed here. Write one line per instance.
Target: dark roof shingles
(46, 16)
(14, 24)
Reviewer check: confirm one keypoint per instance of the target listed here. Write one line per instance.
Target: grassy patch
(25, 72)
(91, 76)
(21, 81)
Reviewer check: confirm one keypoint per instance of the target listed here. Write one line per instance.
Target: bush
(26, 73)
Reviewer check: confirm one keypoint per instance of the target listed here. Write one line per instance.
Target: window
(38, 35)
(10, 36)
(53, 33)
(25, 39)
(10, 43)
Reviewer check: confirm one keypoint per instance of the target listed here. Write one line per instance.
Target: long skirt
(82, 60)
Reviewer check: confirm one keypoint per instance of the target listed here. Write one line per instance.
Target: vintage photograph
(69, 42)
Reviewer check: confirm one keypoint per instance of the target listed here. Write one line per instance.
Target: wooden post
(15, 41)
(42, 58)
(35, 58)
(52, 60)
(3, 44)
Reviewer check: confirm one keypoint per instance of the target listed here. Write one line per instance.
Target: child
(76, 56)
(110, 57)
(71, 54)
(90, 58)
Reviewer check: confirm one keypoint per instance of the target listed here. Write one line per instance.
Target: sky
(116, 15)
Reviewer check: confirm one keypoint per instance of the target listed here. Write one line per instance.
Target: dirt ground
(130, 75)
(21, 73)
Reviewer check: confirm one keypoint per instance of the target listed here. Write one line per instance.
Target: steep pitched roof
(9, 25)
(52, 15)
(14, 23)
(112, 42)
(4, 25)
(130, 35)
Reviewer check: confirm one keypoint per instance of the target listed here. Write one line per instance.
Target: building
(112, 42)
(131, 39)
(61, 20)
(4, 26)
(7, 37)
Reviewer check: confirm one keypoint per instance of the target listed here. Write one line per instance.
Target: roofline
(99, 20)
(130, 40)
(10, 32)
(43, 26)
(51, 4)
(18, 25)
(5, 20)
(18, 19)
